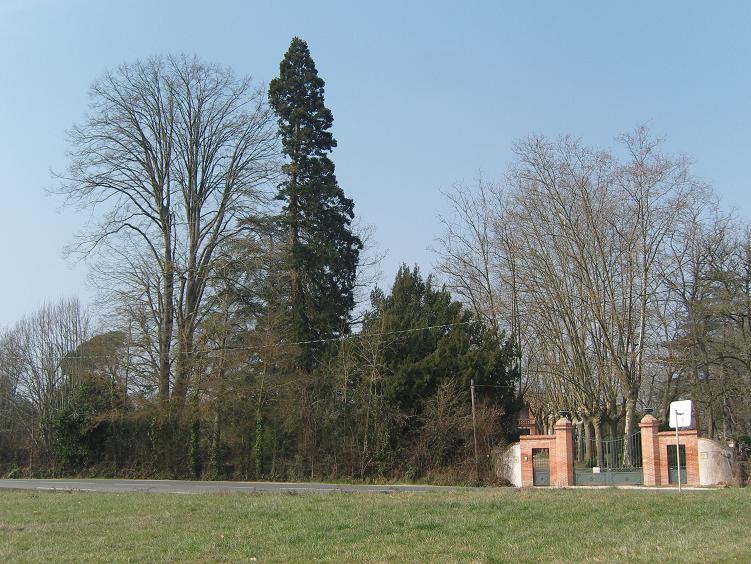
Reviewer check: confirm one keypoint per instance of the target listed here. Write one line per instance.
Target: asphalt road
(194, 487)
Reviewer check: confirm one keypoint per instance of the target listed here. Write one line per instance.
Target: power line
(290, 344)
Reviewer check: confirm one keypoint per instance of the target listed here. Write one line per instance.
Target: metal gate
(541, 466)
(673, 465)
(604, 464)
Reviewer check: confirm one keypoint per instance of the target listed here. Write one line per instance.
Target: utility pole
(474, 429)
(127, 359)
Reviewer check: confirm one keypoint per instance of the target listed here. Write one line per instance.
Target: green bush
(81, 428)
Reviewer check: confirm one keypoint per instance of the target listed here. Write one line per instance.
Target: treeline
(239, 340)
(241, 336)
(392, 401)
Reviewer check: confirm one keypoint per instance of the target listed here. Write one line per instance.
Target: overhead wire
(273, 345)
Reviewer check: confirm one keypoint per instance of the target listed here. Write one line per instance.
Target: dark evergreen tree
(323, 250)
(456, 348)
(432, 348)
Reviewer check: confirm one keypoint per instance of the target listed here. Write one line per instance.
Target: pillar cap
(563, 423)
(649, 421)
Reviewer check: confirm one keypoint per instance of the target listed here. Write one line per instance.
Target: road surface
(194, 487)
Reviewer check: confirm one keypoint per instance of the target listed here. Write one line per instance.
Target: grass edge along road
(521, 525)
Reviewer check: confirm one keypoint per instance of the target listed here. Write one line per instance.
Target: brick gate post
(650, 451)
(564, 453)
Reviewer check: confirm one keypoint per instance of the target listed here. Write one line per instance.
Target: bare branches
(570, 254)
(34, 352)
(174, 154)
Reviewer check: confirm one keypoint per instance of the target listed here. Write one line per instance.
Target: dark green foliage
(196, 458)
(389, 403)
(317, 217)
(421, 349)
(81, 428)
(458, 348)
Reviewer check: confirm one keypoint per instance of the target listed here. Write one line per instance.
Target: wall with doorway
(703, 462)
(689, 440)
(558, 460)
(527, 444)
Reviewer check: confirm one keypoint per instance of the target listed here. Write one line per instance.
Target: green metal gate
(541, 466)
(605, 465)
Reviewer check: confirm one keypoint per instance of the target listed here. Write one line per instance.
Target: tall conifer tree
(317, 216)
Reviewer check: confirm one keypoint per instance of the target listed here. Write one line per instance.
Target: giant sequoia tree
(323, 251)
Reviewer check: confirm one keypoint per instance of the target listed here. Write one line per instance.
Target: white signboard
(680, 414)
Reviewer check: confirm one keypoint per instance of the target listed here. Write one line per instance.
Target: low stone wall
(715, 463)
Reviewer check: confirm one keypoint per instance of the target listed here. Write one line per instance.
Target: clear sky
(424, 95)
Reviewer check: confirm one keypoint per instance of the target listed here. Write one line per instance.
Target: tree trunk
(596, 423)
(258, 446)
(165, 328)
(183, 365)
(613, 426)
(195, 448)
(365, 434)
(630, 425)
(216, 439)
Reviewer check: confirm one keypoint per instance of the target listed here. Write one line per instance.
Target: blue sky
(424, 95)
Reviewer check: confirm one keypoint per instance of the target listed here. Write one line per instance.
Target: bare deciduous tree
(571, 251)
(174, 153)
(38, 347)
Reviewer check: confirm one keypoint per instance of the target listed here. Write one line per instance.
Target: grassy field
(530, 525)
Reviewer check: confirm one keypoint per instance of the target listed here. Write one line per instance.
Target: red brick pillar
(564, 453)
(650, 451)
(691, 440)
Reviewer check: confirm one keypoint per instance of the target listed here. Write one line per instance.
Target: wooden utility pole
(127, 359)
(474, 429)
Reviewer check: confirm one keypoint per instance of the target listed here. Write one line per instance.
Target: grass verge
(507, 525)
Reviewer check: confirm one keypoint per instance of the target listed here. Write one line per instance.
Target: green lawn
(528, 525)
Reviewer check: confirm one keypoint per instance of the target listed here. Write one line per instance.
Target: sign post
(680, 416)
(678, 454)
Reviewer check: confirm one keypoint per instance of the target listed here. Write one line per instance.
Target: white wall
(509, 465)
(715, 463)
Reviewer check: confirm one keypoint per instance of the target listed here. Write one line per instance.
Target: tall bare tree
(174, 153)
